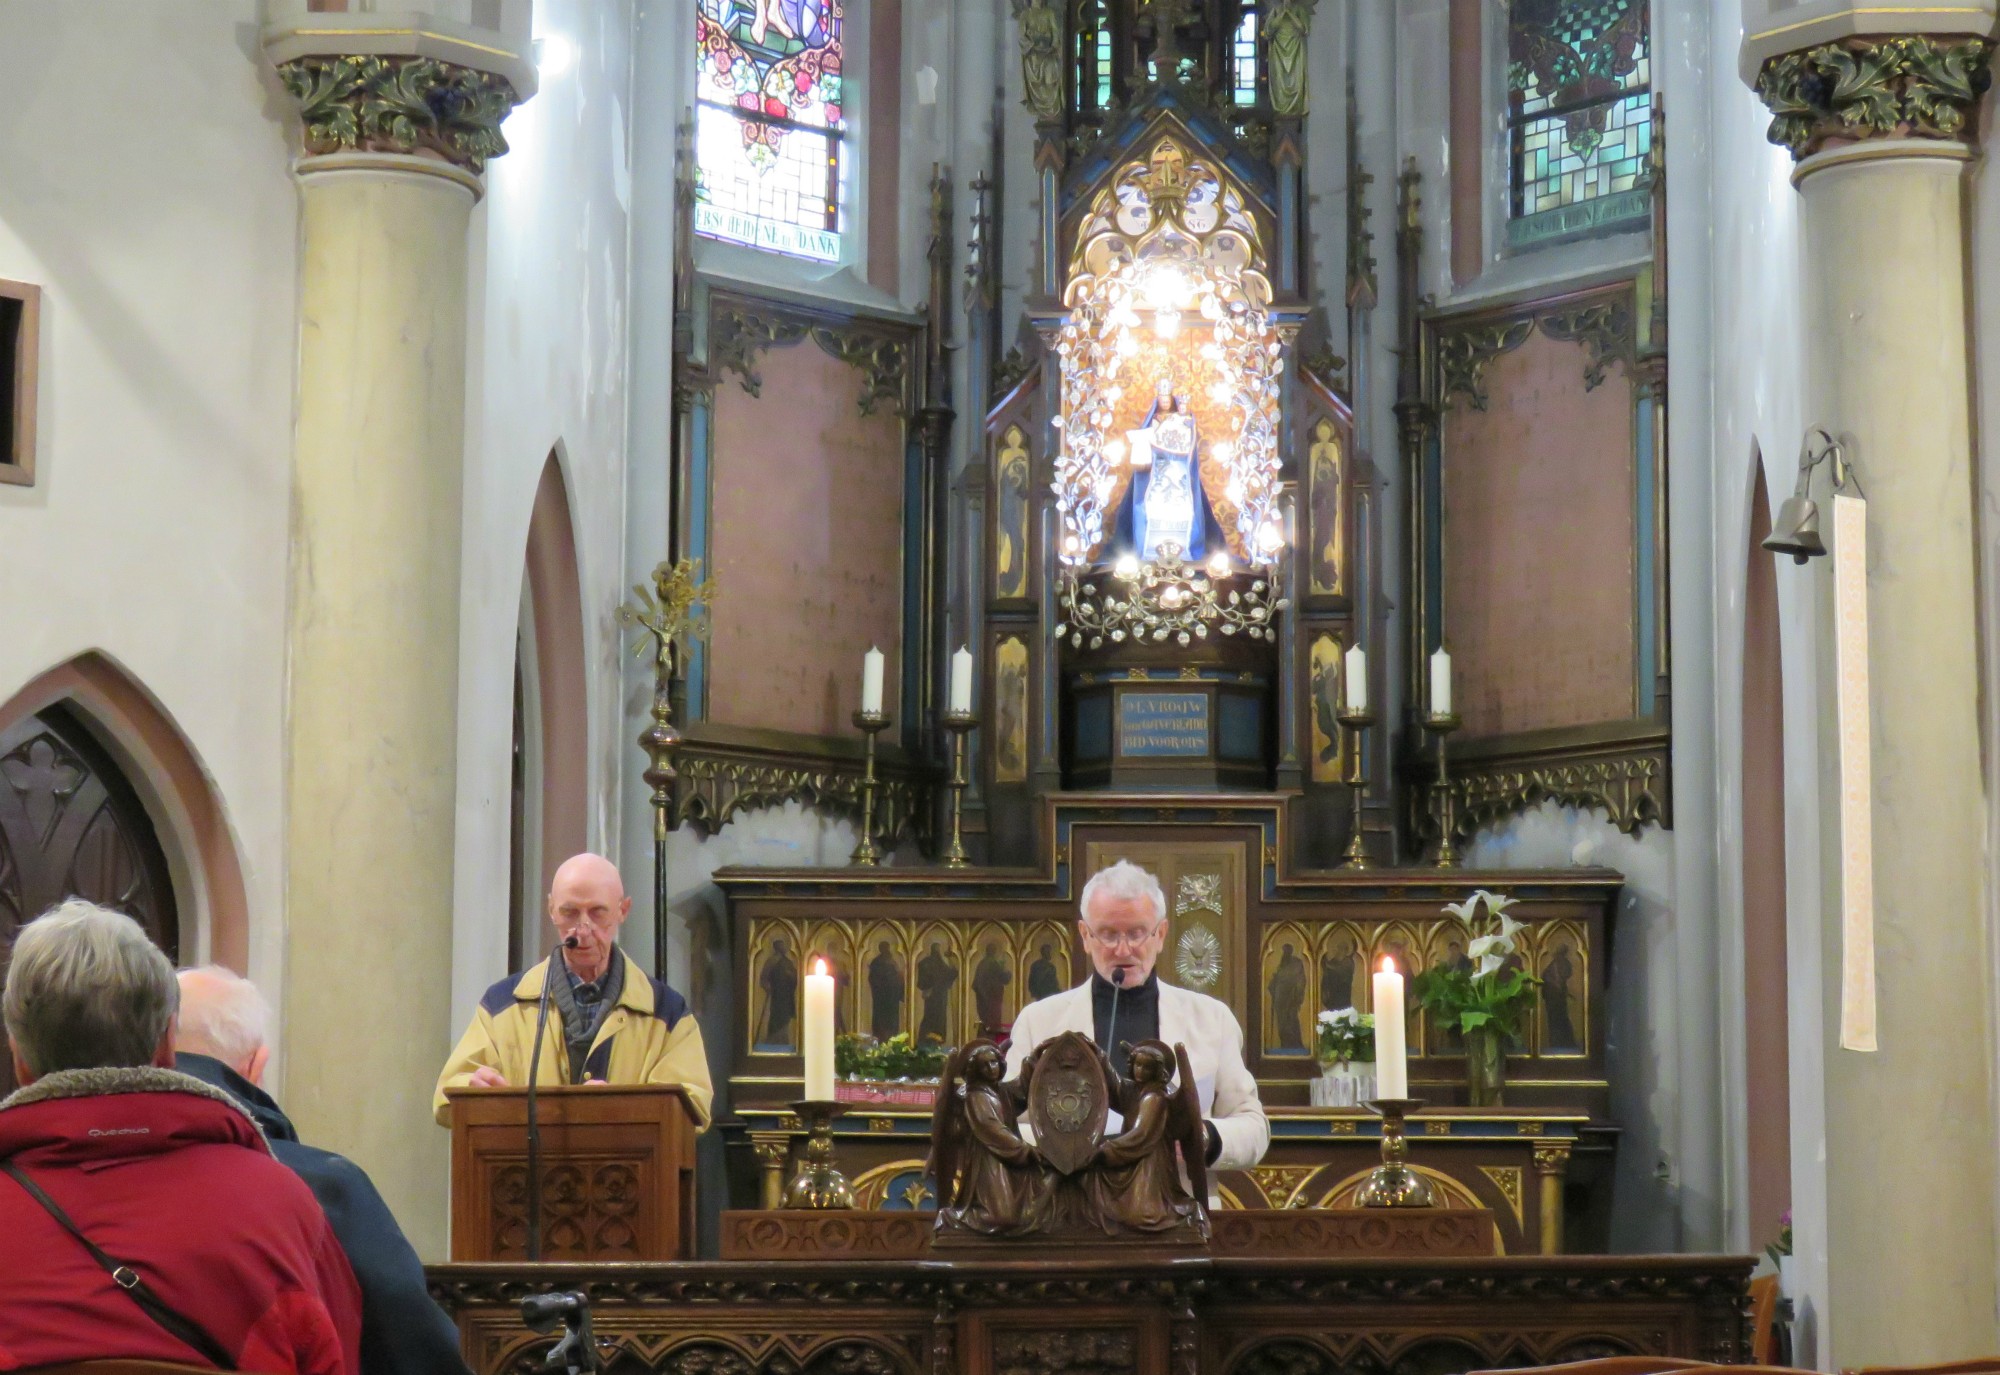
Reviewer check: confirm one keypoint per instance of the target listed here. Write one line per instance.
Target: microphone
(1111, 1030)
(568, 942)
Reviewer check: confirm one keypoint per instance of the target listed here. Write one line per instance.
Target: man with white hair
(223, 1039)
(143, 1215)
(1124, 927)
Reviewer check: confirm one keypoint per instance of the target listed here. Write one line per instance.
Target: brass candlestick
(870, 724)
(960, 724)
(1442, 724)
(1356, 723)
(1393, 1184)
(819, 1183)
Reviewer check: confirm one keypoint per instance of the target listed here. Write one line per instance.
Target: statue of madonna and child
(1166, 502)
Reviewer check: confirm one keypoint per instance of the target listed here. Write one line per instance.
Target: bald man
(609, 1022)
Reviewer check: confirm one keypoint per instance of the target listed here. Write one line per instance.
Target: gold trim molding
(1624, 767)
(742, 329)
(723, 771)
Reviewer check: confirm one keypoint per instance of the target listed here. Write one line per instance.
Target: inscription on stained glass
(1579, 115)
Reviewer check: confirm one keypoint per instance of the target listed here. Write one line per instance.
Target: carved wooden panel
(589, 1208)
(72, 826)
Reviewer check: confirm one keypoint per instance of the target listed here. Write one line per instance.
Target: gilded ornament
(1909, 86)
(1198, 893)
(1603, 327)
(1463, 355)
(1198, 958)
(1629, 781)
(741, 331)
(411, 105)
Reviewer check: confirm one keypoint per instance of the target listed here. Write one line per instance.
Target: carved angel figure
(1136, 1183)
(988, 1179)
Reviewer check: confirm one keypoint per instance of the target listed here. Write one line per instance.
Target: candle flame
(1388, 965)
(819, 966)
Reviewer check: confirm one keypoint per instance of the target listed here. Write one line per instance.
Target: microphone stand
(1111, 1030)
(534, 1121)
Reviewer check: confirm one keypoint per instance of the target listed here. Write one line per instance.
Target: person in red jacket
(162, 1179)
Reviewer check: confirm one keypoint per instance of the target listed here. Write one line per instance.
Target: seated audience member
(222, 1042)
(112, 1163)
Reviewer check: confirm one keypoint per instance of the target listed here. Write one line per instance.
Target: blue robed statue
(1166, 502)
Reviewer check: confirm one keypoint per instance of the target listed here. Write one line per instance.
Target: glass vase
(1485, 1068)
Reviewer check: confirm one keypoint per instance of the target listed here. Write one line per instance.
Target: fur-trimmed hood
(73, 1115)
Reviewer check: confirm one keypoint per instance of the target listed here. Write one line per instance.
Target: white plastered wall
(546, 357)
(166, 249)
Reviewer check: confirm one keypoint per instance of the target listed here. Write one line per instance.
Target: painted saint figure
(779, 979)
(1559, 1026)
(989, 989)
(1043, 978)
(1336, 976)
(1166, 503)
(935, 976)
(885, 994)
(1288, 999)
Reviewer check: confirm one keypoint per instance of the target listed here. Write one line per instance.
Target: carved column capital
(1861, 88)
(1552, 1158)
(415, 106)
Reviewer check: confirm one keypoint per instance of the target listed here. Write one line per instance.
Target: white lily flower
(1497, 903)
(1482, 947)
(1463, 910)
(1508, 926)
(1487, 964)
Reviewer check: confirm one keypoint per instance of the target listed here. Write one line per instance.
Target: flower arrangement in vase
(1485, 997)
(1344, 1041)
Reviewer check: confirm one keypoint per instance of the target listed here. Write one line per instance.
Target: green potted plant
(892, 1073)
(1345, 1044)
(1485, 997)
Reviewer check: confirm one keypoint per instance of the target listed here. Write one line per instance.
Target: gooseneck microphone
(1111, 1029)
(569, 942)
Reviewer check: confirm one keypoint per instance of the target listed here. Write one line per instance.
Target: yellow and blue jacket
(648, 1037)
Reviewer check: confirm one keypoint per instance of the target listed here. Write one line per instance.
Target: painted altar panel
(807, 546)
(1326, 468)
(1013, 508)
(1540, 554)
(1328, 742)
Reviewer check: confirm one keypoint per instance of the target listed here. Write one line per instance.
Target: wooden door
(72, 826)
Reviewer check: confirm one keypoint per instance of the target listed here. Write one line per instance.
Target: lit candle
(1440, 683)
(819, 1034)
(871, 681)
(1357, 679)
(1392, 1052)
(961, 680)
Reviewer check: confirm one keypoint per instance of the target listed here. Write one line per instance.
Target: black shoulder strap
(125, 1277)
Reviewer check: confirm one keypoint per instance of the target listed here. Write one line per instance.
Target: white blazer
(1214, 1044)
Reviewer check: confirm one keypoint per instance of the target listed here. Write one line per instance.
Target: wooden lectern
(617, 1173)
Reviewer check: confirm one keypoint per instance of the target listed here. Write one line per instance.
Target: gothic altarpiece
(1161, 557)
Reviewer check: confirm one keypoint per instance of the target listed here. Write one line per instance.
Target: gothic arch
(554, 591)
(173, 787)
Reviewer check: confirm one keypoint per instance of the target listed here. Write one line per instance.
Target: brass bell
(1796, 530)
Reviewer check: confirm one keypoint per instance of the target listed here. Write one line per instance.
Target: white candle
(1392, 1047)
(1357, 679)
(819, 1034)
(871, 680)
(961, 680)
(1440, 683)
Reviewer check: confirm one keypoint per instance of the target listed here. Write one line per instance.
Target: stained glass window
(1243, 58)
(1579, 115)
(768, 124)
(1091, 27)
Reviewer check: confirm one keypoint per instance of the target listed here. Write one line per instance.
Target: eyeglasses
(1121, 940)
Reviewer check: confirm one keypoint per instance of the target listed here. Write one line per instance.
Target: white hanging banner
(1857, 823)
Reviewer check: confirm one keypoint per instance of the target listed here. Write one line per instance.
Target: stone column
(398, 123)
(1875, 120)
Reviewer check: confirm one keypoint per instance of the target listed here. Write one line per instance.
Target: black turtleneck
(1138, 1015)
